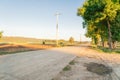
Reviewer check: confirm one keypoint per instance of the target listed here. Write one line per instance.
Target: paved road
(46, 64)
(35, 65)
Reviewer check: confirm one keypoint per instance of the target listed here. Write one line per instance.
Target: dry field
(14, 48)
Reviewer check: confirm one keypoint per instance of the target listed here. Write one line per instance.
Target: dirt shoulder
(86, 55)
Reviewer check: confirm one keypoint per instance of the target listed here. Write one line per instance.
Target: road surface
(35, 65)
(47, 64)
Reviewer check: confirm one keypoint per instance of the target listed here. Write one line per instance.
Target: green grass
(72, 62)
(117, 51)
(106, 50)
(67, 68)
(4, 53)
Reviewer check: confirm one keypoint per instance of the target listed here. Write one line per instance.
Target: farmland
(9, 45)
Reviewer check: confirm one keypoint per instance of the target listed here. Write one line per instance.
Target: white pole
(57, 15)
(80, 38)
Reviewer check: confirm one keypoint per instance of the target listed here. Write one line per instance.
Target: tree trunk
(102, 40)
(109, 36)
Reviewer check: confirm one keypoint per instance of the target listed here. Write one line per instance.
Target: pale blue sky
(36, 18)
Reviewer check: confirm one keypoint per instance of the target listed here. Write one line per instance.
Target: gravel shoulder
(79, 71)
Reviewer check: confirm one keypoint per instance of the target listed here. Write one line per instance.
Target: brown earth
(86, 55)
(11, 48)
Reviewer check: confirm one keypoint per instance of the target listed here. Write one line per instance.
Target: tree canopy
(102, 19)
(71, 40)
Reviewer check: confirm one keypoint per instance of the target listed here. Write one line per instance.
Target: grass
(106, 50)
(5, 53)
(117, 51)
(72, 62)
(67, 68)
(17, 48)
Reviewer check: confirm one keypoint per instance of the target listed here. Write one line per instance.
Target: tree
(71, 40)
(116, 30)
(95, 12)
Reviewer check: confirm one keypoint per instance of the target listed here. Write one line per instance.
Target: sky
(36, 19)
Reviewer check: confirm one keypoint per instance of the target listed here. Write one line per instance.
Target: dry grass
(14, 48)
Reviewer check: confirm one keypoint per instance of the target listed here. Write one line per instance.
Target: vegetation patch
(106, 50)
(99, 69)
(67, 68)
(109, 51)
(72, 62)
(16, 48)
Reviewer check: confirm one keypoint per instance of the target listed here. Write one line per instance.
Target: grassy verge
(106, 50)
(72, 62)
(15, 48)
(4, 53)
(67, 68)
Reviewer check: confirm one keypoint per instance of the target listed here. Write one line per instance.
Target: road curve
(36, 65)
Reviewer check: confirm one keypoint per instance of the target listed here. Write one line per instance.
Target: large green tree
(96, 12)
(116, 30)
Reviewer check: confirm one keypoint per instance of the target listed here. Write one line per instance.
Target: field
(14, 48)
(9, 45)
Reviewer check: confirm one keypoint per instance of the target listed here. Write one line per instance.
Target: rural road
(46, 64)
(36, 65)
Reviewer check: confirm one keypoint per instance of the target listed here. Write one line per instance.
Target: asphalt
(35, 65)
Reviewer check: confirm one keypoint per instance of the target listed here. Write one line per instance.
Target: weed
(72, 62)
(67, 68)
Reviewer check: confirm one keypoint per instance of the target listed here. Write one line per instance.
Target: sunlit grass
(17, 48)
(106, 49)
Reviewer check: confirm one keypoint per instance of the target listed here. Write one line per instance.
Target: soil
(99, 69)
(92, 65)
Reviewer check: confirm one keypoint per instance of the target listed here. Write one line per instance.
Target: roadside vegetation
(106, 49)
(17, 48)
(69, 66)
(102, 22)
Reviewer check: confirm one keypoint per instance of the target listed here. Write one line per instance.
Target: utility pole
(80, 38)
(57, 16)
